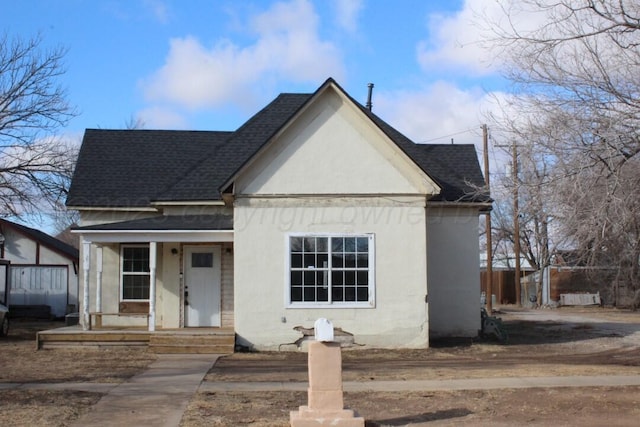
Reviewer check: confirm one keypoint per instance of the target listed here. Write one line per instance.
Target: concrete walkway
(156, 397)
(438, 385)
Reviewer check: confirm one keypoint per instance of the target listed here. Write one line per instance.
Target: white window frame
(338, 304)
(131, 273)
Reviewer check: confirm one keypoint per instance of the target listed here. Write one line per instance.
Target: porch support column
(86, 266)
(98, 285)
(153, 248)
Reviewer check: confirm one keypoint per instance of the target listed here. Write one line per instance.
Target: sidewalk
(156, 397)
(438, 385)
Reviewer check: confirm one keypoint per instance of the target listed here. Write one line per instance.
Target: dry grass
(22, 363)
(536, 407)
(43, 408)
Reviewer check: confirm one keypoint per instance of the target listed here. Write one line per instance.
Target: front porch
(182, 340)
(163, 273)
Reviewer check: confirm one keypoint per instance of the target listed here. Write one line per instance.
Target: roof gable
(330, 147)
(137, 168)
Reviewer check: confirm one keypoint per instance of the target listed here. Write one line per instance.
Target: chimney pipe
(369, 105)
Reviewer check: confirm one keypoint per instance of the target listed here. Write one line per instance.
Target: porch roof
(166, 228)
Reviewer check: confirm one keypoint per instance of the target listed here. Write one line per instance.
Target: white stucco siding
(332, 149)
(453, 272)
(263, 318)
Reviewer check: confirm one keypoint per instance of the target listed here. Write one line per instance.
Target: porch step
(193, 341)
(74, 337)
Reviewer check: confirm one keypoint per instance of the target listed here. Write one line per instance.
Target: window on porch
(135, 275)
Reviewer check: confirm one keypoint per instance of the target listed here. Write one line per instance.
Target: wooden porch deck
(183, 340)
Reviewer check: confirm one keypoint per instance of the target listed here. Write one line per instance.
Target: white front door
(202, 277)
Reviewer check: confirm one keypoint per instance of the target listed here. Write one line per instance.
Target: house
(315, 207)
(43, 270)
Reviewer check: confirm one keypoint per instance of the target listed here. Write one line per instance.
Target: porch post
(86, 265)
(99, 285)
(152, 285)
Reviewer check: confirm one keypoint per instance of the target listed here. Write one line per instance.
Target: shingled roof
(133, 168)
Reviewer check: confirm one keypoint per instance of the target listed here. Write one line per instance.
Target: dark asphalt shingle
(133, 168)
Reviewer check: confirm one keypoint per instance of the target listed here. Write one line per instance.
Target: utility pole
(516, 223)
(489, 271)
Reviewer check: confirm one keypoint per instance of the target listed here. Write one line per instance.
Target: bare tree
(35, 167)
(576, 105)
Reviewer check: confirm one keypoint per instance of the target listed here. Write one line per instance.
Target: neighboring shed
(44, 270)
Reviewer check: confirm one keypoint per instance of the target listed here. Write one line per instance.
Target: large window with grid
(134, 272)
(331, 270)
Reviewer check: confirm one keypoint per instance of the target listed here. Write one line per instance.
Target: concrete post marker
(325, 404)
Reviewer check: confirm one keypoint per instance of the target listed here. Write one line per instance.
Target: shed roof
(43, 238)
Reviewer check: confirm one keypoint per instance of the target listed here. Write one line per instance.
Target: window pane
(349, 244)
(309, 261)
(349, 277)
(296, 293)
(323, 294)
(309, 244)
(337, 260)
(322, 261)
(337, 294)
(135, 287)
(296, 260)
(296, 244)
(337, 278)
(296, 278)
(309, 293)
(202, 260)
(362, 293)
(362, 244)
(321, 244)
(362, 260)
(363, 278)
(349, 293)
(350, 260)
(309, 278)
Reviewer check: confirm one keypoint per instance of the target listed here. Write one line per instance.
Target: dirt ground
(565, 341)
(559, 342)
(20, 362)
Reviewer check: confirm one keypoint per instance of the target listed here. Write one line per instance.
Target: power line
(447, 136)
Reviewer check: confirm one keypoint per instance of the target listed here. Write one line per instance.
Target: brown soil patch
(537, 407)
(22, 363)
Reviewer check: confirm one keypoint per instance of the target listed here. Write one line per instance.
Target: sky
(212, 64)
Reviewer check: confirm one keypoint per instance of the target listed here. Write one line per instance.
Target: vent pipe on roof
(369, 104)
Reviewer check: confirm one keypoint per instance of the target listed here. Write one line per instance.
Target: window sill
(309, 305)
